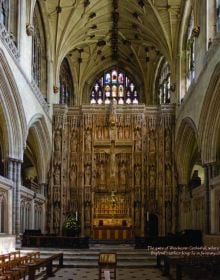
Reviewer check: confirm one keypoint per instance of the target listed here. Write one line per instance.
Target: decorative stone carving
(88, 140)
(88, 174)
(137, 175)
(57, 175)
(122, 174)
(74, 142)
(73, 176)
(29, 29)
(112, 151)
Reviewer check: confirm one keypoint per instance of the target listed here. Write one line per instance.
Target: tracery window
(190, 53)
(66, 84)
(114, 85)
(39, 65)
(164, 84)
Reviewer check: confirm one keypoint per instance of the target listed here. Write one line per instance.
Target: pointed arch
(209, 122)
(12, 113)
(186, 148)
(39, 140)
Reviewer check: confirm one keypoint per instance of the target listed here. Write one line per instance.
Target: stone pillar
(208, 174)
(43, 189)
(14, 174)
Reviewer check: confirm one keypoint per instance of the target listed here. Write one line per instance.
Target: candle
(76, 216)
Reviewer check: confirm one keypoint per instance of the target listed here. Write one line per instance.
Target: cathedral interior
(109, 113)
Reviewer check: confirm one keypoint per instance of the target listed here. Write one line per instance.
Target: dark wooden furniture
(55, 241)
(47, 263)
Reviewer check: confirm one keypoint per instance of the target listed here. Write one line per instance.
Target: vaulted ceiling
(96, 34)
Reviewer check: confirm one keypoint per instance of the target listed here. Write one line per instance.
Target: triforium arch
(209, 123)
(187, 149)
(12, 113)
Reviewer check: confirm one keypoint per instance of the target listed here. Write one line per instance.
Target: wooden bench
(20, 267)
(107, 261)
(47, 263)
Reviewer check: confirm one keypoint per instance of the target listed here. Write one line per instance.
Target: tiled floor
(122, 274)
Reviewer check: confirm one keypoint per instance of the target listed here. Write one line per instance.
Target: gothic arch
(209, 123)
(186, 148)
(39, 140)
(12, 114)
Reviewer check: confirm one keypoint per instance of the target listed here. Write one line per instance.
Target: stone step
(89, 258)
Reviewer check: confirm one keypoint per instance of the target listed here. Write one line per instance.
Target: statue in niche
(88, 174)
(152, 176)
(127, 132)
(56, 175)
(73, 176)
(106, 132)
(56, 194)
(57, 147)
(168, 147)
(73, 142)
(137, 175)
(122, 174)
(88, 140)
(102, 174)
(120, 132)
(99, 132)
(137, 216)
(137, 140)
(87, 212)
(152, 142)
(167, 141)
(57, 140)
(56, 213)
(168, 175)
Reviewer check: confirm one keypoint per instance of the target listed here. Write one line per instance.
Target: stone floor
(122, 274)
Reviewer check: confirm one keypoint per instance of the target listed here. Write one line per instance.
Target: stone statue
(122, 174)
(168, 175)
(73, 142)
(137, 176)
(137, 140)
(102, 174)
(57, 141)
(57, 175)
(56, 213)
(152, 176)
(152, 142)
(73, 176)
(88, 174)
(88, 140)
(87, 213)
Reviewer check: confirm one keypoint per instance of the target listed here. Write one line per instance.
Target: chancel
(110, 128)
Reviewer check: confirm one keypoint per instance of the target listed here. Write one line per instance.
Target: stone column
(208, 175)
(43, 189)
(14, 174)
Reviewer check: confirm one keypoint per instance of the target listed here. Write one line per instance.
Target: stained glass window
(114, 85)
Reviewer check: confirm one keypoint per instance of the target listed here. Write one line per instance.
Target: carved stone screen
(113, 166)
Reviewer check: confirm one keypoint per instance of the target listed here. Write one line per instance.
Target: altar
(112, 233)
